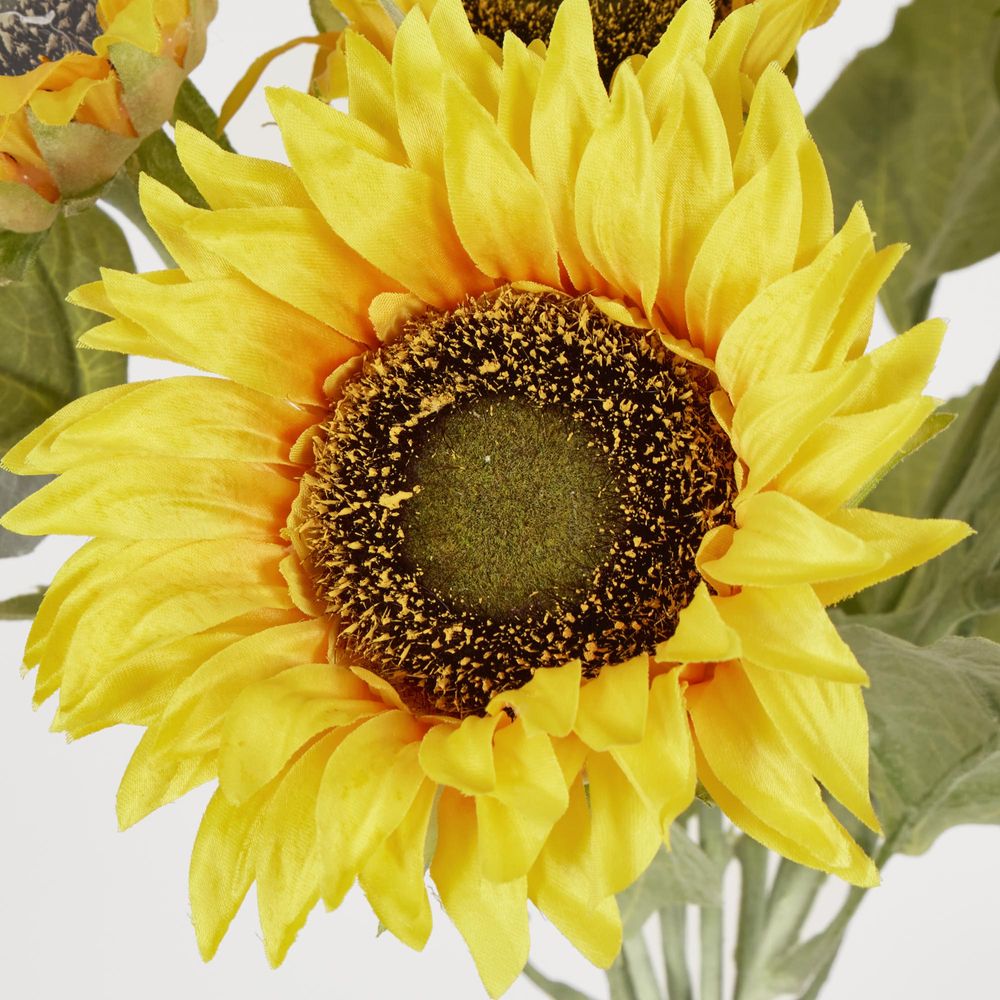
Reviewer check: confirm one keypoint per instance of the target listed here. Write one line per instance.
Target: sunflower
(82, 83)
(622, 29)
(520, 502)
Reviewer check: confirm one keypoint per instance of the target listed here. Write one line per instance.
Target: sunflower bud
(82, 83)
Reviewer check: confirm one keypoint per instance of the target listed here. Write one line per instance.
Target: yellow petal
(464, 54)
(530, 795)
(233, 423)
(905, 542)
(701, 635)
(618, 224)
(228, 180)
(112, 624)
(625, 833)
(752, 775)
(782, 23)
(561, 885)
(393, 875)
(369, 88)
(367, 790)
(548, 702)
(279, 351)
(787, 628)
(498, 208)
(777, 414)
(695, 183)
(369, 201)
(857, 445)
(765, 212)
(723, 66)
(287, 851)
(780, 542)
(492, 917)
(291, 708)
(775, 117)
(192, 721)
(825, 726)
(319, 274)
(521, 71)
(570, 101)
(222, 865)
(461, 756)
(685, 41)
(661, 767)
(208, 498)
(613, 705)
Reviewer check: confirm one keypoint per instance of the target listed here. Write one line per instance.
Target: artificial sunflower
(520, 503)
(82, 82)
(622, 29)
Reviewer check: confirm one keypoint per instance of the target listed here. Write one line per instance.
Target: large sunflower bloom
(317, 580)
(80, 86)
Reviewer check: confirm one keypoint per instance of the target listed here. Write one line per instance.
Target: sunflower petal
(661, 767)
(906, 542)
(367, 790)
(393, 876)
(561, 884)
(530, 795)
(292, 707)
(548, 702)
(497, 935)
(625, 833)
(287, 861)
(825, 726)
(613, 705)
(765, 619)
(779, 542)
(462, 756)
(498, 208)
(746, 756)
(521, 71)
(701, 635)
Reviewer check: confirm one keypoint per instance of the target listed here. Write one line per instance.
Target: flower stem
(753, 914)
(673, 933)
(713, 843)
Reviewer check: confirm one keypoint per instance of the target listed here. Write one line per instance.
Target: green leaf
(912, 128)
(22, 607)
(14, 489)
(41, 369)
(192, 108)
(326, 16)
(957, 475)
(684, 874)
(17, 250)
(935, 733)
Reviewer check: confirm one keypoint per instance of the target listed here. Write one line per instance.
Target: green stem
(121, 193)
(713, 843)
(753, 912)
(639, 968)
(673, 933)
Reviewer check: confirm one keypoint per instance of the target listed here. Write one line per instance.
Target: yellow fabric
(612, 709)
(497, 934)
(461, 756)
(548, 702)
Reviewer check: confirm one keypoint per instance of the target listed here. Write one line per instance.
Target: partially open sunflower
(520, 503)
(81, 83)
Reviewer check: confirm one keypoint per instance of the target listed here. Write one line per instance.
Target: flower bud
(82, 83)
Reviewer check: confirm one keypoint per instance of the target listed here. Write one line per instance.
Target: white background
(91, 913)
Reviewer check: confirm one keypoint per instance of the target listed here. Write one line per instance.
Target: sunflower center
(622, 28)
(509, 486)
(516, 505)
(33, 31)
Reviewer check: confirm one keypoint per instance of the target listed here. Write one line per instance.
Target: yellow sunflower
(518, 508)
(81, 85)
(622, 29)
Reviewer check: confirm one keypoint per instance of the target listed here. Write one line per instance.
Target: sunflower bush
(539, 510)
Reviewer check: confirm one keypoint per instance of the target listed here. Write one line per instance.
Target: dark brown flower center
(622, 28)
(33, 31)
(508, 486)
